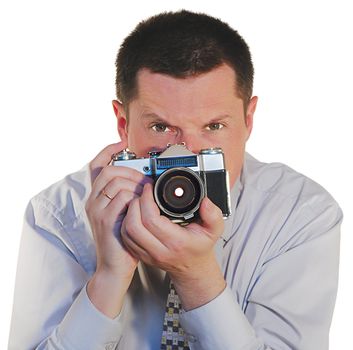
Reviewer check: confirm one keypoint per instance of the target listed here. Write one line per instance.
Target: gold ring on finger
(106, 194)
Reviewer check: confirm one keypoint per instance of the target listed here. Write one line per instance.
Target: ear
(249, 117)
(121, 120)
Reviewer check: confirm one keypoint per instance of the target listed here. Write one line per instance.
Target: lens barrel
(178, 192)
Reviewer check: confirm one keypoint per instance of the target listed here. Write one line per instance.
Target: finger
(103, 158)
(211, 217)
(133, 248)
(147, 202)
(113, 188)
(140, 235)
(160, 226)
(121, 172)
(119, 205)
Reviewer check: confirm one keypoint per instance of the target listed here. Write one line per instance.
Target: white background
(57, 83)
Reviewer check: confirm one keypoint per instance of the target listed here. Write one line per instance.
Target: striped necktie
(173, 337)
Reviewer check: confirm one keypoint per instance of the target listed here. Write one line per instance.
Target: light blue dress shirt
(279, 254)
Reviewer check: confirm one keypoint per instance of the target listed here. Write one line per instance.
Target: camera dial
(125, 154)
(215, 150)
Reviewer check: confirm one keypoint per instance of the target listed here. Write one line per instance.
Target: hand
(115, 265)
(185, 252)
(105, 215)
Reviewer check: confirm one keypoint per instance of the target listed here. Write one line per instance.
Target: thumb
(103, 158)
(211, 217)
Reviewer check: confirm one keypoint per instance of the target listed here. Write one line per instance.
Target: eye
(214, 126)
(160, 128)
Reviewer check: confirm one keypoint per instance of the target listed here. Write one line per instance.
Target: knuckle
(116, 182)
(120, 208)
(104, 171)
(158, 258)
(177, 246)
(131, 226)
(135, 201)
(90, 209)
(123, 197)
(119, 204)
(150, 221)
(109, 172)
(129, 196)
(105, 220)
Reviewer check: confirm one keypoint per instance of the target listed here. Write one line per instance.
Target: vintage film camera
(182, 179)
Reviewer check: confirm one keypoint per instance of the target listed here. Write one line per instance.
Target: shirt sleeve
(290, 305)
(220, 324)
(51, 307)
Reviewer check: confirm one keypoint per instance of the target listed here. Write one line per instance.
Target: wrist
(197, 287)
(107, 290)
(113, 275)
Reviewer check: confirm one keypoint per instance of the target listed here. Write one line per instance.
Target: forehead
(216, 87)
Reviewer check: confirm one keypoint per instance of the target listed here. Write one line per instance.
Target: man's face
(203, 111)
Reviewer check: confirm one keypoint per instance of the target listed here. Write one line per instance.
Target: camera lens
(178, 192)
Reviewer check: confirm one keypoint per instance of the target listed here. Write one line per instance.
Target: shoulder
(277, 179)
(57, 216)
(65, 199)
(287, 202)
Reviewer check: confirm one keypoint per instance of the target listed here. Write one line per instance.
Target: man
(97, 258)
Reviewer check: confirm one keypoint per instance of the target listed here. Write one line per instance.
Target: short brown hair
(182, 44)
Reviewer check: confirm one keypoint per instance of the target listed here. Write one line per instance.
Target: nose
(192, 141)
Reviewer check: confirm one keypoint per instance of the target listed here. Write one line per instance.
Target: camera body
(182, 179)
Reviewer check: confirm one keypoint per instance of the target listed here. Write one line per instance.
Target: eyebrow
(156, 117)
(152, 116)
